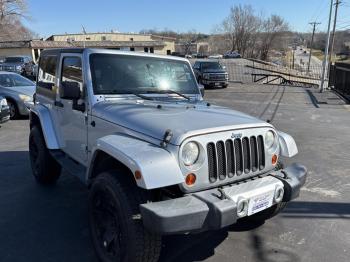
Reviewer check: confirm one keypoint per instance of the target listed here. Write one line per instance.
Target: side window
(47, 72)
(72, 71)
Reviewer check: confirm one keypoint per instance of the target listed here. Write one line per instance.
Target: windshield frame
(211, 68)
(195, 91)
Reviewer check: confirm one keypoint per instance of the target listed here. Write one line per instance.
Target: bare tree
(12, 9)
(272, 27)
(11, 14)
(240, 27)
(188, 40)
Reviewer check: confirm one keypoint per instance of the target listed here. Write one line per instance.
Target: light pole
(325, 59)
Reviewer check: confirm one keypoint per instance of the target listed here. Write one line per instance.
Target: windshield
(11, 80)
(125, 74)
(13, 59)
(211, 65)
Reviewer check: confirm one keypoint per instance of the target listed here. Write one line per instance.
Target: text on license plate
(260, 202)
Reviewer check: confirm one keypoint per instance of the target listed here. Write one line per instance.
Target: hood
(214, 71)
(153, 118)
(26, 90)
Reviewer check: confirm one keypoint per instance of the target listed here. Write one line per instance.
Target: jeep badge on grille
(238, 135)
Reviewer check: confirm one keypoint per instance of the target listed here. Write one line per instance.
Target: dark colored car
(4, 110)
(18, 64)
(232, 54)
(210, 73)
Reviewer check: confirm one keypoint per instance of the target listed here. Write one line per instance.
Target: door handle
(59, 104)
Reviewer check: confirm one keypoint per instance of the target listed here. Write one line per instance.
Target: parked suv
(18, 64)
(210, 73)
(156, 157)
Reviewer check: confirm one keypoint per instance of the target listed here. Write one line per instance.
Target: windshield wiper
(168, 91)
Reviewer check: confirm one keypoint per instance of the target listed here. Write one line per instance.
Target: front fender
(158, 167)
(47, 127)
(288, 147)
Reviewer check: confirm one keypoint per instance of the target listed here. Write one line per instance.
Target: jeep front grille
(230, 158)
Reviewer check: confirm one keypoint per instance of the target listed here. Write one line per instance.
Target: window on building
(168, 52)
(72, 71)
(88, 38)
(145, 49)
(151, 50)
(132, 48)
(131, 39)
(103, 38)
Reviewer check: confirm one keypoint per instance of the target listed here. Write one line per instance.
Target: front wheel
(116, 226)
(14, 113)
(44, 167)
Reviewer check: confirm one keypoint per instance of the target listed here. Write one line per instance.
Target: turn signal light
(138, 175)
(274, 159)
(190, 179)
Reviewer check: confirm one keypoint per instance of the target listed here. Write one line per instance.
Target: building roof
(112, 33)
(40, 44)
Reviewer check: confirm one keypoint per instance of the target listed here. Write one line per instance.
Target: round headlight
(269, 139)
(190, 153)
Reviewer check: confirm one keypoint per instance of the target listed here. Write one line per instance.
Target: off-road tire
(45, 168)
(134, 243)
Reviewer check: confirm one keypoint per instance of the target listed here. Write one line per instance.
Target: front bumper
(208, 82)
(211, 209)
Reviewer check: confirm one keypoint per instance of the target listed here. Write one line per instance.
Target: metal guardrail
(251, 71)
(339, 78)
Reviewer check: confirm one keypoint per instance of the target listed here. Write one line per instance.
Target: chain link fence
(256, 71)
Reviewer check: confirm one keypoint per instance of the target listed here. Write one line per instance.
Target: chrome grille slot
(230, 158)
(220, 148)
(213, 175)
(234, 157)
(261, 152)
(239, 158)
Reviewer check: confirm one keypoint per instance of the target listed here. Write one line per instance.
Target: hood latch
(166, 138)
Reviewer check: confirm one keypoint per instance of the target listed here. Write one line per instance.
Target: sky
(68, 16)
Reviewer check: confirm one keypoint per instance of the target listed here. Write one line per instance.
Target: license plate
(217, 84)
(260, 202)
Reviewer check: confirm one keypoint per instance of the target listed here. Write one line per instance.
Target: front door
(72, 118)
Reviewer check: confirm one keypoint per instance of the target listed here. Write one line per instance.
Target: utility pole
(324, 64)
(337, 3)
(312, 42)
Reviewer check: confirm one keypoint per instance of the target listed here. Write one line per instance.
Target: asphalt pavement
(50, 223)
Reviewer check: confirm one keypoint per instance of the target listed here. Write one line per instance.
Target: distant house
(118, 41)
(192, 48)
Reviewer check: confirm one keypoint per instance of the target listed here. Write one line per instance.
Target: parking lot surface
(50, 223)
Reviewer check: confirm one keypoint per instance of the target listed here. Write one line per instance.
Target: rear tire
(45, 169)
(116, 226)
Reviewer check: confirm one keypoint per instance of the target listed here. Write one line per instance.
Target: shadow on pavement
(51, 223)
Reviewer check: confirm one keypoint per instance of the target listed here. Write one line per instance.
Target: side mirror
(70, 90)
(201, 89)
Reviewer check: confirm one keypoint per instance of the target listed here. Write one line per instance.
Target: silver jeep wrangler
(156, 158)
